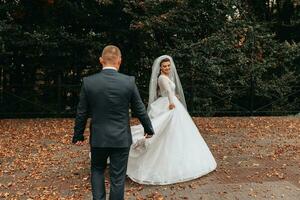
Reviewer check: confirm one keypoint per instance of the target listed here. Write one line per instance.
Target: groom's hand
(148, 136)
(79, 143)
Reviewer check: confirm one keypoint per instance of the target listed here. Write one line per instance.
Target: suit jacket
(107, 96)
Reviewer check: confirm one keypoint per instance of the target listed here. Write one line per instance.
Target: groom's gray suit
(107, 96)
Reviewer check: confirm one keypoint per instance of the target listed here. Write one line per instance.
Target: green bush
(232, 56)
(241, 69)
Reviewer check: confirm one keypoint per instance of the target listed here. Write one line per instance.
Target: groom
(107, 96)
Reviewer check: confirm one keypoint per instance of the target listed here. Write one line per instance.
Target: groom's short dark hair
(164, 60)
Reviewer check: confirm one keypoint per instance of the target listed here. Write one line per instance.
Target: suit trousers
(118, 166)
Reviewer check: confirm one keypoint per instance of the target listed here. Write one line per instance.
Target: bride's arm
(164, 85)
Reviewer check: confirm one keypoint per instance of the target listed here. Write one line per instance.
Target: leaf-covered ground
(258, 158)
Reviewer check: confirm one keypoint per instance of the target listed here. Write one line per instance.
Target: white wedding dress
(177, 152)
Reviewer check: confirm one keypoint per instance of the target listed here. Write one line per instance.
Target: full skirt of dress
(176, 153)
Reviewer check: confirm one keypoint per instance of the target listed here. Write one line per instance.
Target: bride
(177, 151)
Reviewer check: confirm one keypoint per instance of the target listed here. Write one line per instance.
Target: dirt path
(258, 158)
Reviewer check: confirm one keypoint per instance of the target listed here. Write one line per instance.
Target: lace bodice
(166, 87)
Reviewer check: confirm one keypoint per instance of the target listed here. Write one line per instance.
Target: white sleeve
(164, 85)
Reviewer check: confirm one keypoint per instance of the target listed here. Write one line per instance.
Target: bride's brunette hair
(162, 61)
